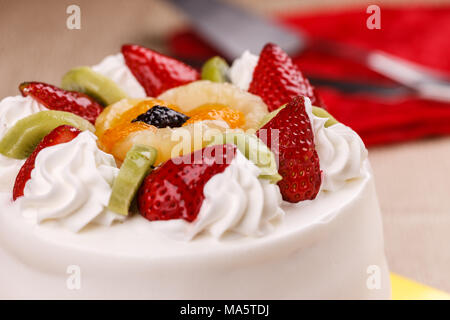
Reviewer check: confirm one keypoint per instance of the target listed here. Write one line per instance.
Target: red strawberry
(155, 71)
(276, 79)
(294, 146)
(59, 135)
(175, 189)
(55, 98)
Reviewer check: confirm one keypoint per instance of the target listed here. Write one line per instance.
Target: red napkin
(417, 34)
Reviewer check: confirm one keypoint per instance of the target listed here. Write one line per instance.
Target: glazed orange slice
(234, 118)
(119, 132)
(140, 108)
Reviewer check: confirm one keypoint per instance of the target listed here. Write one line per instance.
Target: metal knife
(231, 30)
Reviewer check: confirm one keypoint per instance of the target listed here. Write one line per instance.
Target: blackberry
(162, 117)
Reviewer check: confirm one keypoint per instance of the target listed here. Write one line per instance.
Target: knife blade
(232, 30)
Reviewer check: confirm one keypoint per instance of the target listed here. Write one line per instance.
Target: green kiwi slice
(96, 85)
(21, 139)
(215, 69)
(322, 113)
(136, 166)
(253, 149)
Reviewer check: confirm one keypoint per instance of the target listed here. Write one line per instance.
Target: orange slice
(215, 111)
(119, 132)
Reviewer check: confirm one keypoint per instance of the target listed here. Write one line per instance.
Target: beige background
(412, 179)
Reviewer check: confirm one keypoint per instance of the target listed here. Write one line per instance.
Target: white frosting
(236, 201)
(9, 168)
(341, 151)
(241, 71)
(114, 67)
(71, 183)
(323, 249)
(12, 109)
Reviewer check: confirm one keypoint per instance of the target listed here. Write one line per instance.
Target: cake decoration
(276, 79)
(155, 71)
(143, 163)
(59, 135)
(54, 98)
(298, 160)
(86, 80)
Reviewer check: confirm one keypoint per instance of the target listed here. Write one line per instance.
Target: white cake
(324, 250)
(60, 242)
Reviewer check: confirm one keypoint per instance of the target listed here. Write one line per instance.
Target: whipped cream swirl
(114, 68)
(71, 183)
(236, 201)
(12, 109)
(341, 151)
(241, 71)
(9, 168)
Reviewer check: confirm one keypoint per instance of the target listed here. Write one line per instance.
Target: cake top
(223, 150)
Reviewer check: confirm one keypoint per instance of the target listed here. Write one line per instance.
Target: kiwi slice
(21, 140)
(318, 112)
(136, 166)
(253, 149)
(96, 85)
(215, 69)
(322, 113)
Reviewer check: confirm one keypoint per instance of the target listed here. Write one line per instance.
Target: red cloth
(421, 35)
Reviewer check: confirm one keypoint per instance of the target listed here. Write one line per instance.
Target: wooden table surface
(412, 179)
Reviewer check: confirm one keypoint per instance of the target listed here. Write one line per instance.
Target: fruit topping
(234, 118)
(276, 79)
(20, 140)
(290, 137)
(200, 93)
(215, 69)
(322, 113)
(125, 111)
(169, 142)
(58, 99)
(318, 112)
(59, 135)
(118, 133)
(161, 117)
(155, 71)
(136, 166)
(175, 189)
(99, 87)
(254, 150)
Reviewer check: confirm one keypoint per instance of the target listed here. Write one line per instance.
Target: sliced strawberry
(155, 71)
(175, 189)
(59, 135)
(276, 79)
(55, 98)
(293, 143)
